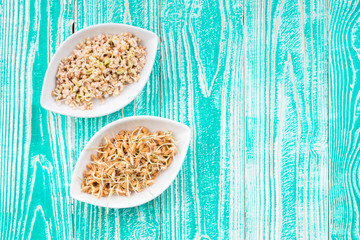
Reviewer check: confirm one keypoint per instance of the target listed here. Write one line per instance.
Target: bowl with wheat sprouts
(99, 70)
(130, 162)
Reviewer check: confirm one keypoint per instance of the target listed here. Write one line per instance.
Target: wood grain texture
(344, 84)
(201, 85)
(34, 198)
(269, 88)
(286, 120)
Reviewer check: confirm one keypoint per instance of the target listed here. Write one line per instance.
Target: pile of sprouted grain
(99, 68)
(129, 162)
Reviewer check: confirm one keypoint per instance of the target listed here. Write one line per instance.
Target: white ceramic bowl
(180, 132)
(111, 104)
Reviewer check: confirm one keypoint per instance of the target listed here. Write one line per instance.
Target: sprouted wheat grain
(99, 68)
(129, 162)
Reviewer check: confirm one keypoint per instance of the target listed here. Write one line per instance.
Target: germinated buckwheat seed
(99, 68)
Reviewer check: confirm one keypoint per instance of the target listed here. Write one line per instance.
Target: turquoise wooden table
(270, 89)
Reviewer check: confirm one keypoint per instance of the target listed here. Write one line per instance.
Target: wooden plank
(143, 221)
(202, 86)
(286, 120)
(344, 87)
(256, 97)
(35, 173)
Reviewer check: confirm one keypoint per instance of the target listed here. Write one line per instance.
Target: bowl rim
(99, 133)
(86, 114)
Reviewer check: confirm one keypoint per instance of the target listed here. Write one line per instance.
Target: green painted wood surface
(286, 176)
(344, 120)
(269, 88)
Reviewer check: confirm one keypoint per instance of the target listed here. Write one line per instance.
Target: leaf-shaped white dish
(111, 104)
(181, 134)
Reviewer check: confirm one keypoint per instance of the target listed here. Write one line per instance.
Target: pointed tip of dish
(43, 102)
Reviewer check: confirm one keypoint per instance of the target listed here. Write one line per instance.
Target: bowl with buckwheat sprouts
(99, 70)
(130, 162)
